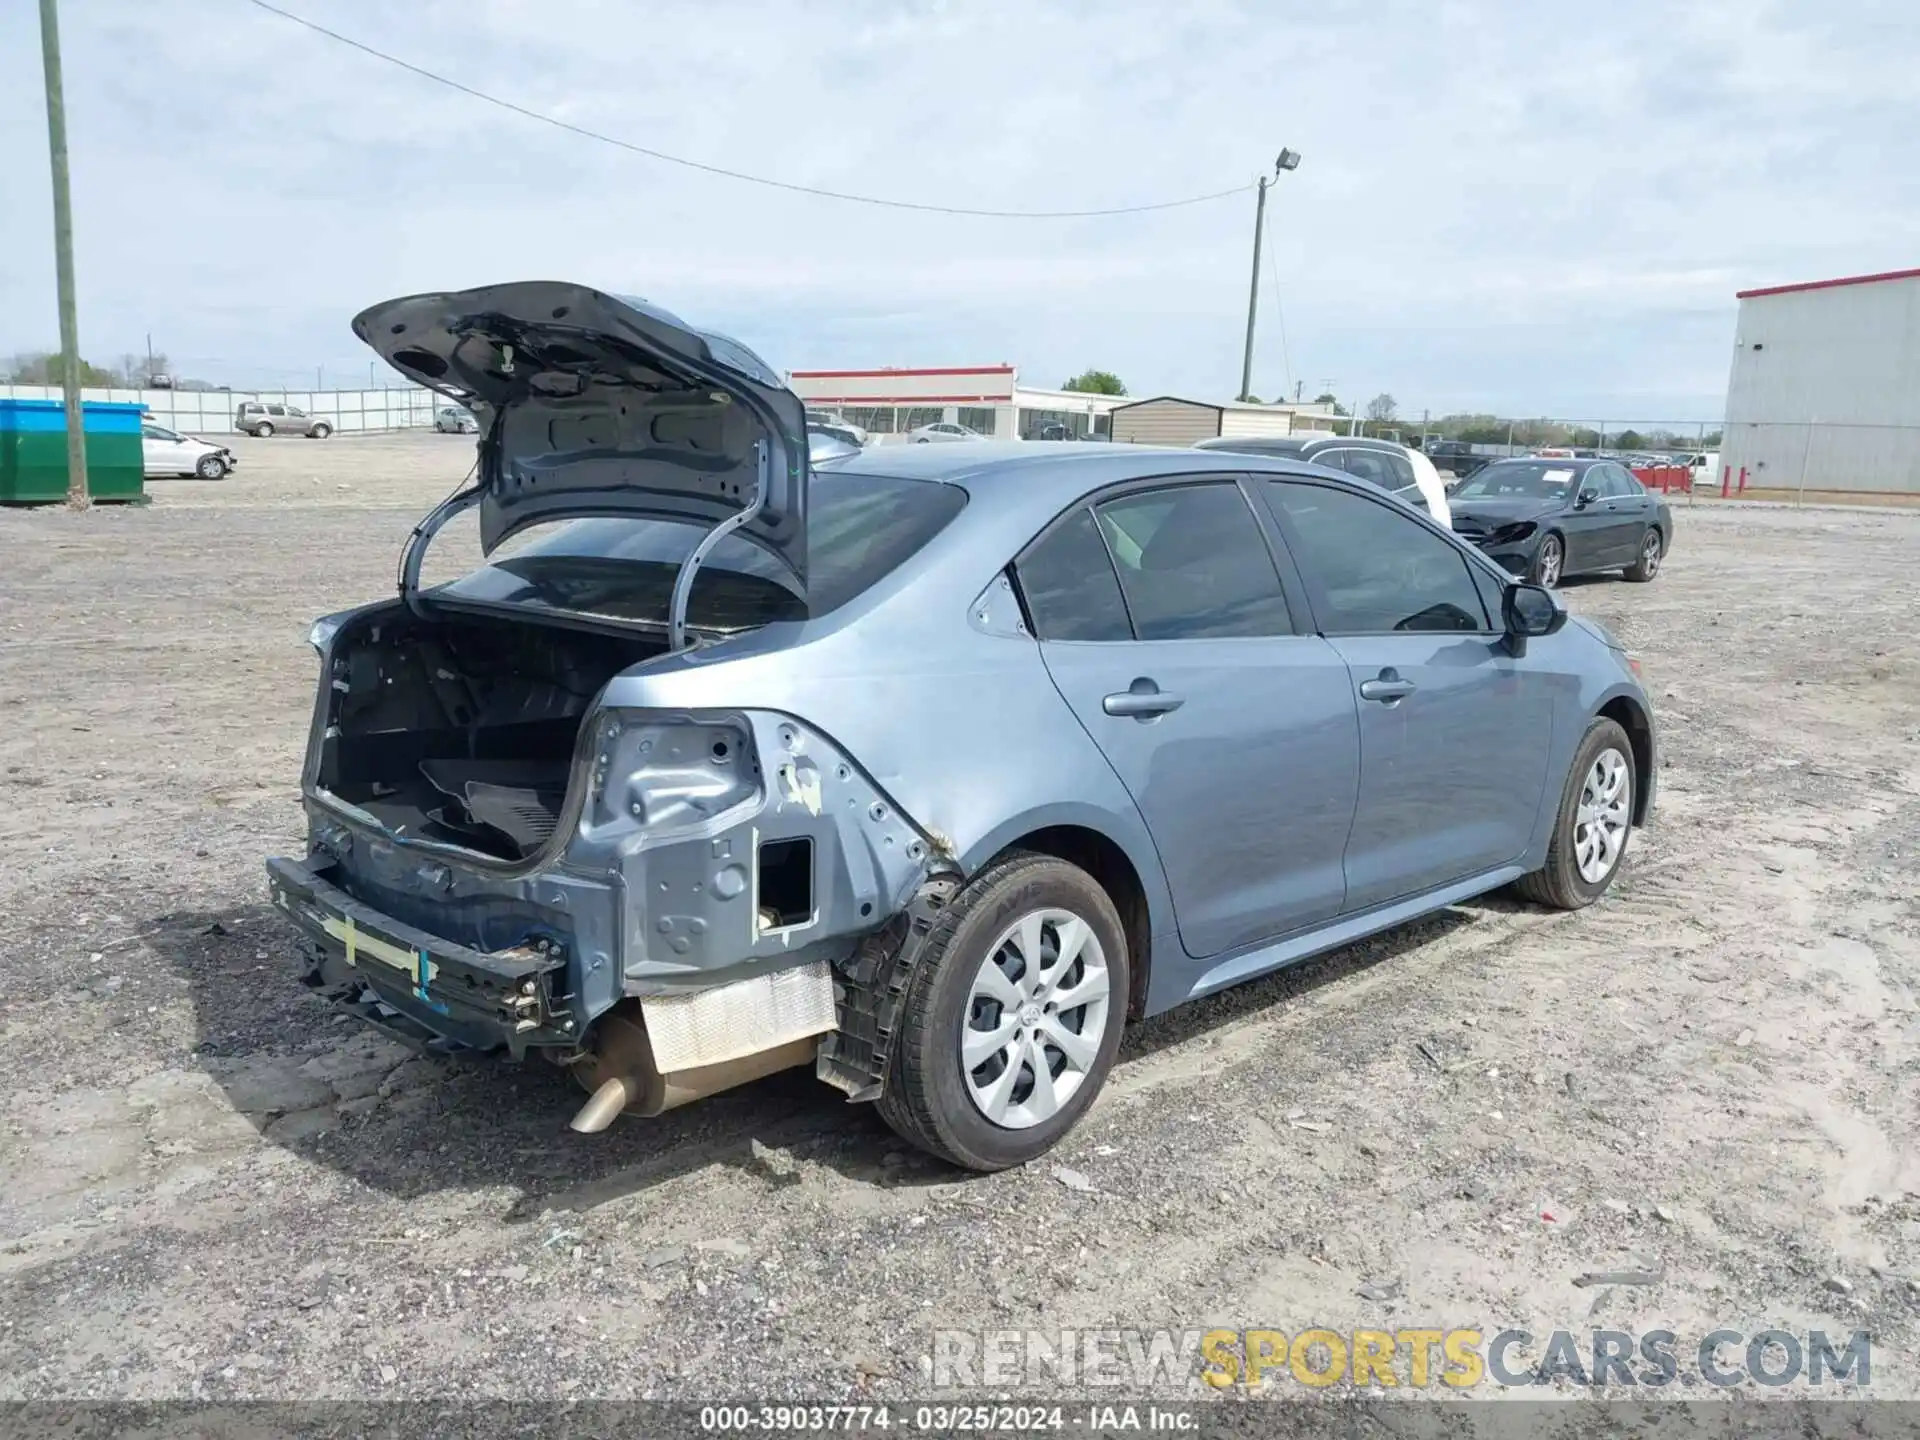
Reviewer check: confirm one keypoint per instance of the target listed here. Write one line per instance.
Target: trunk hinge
(683, 581)
(415, 551)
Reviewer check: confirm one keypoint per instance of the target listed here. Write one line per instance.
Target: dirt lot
(213, 1189)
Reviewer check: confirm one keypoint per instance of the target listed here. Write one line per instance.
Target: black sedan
(1547, 519)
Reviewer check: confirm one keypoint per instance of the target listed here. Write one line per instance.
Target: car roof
(1297, 444)
(1062, 471)
(1558, 462)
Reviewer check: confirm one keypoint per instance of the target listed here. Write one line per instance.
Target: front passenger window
(1375, 569)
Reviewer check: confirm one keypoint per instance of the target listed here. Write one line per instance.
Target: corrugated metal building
(1824, 393)
(1170, 420)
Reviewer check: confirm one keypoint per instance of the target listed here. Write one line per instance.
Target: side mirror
(1585, 498)
(1527, 611)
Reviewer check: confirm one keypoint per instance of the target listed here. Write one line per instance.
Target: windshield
(859, 529)
(1532, 480)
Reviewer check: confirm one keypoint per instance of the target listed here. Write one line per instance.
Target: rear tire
(263, 430)
(1581, 864)
(1653, 549)
(930, 1096)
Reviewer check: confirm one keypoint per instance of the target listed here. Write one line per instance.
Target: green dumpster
(33, 451)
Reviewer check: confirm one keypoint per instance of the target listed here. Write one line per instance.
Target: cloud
(1503, 205)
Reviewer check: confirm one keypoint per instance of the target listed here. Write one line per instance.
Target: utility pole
(149, 374)
(77, 498)
(1287, 160)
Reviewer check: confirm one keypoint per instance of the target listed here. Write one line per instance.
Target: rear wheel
(1595, 819)
(263, 429)
(1550, 562)
(210, 467)
(1653, 549)
(1012, 1020)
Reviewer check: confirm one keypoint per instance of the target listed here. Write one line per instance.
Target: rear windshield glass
(859, 529)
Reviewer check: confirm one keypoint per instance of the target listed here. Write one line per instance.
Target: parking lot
(213, 1188)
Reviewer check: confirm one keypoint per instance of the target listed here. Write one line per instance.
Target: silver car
(926, 768)
(263, 418)
(455, 420)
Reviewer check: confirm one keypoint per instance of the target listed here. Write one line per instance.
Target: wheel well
(1108, 864)
(1630, 718)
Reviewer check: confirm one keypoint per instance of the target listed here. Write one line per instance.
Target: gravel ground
(213, 1189)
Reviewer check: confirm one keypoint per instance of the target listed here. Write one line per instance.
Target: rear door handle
(1143, 700)
(1388, 689)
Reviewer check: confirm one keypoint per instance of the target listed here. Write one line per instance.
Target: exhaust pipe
(625, 1080)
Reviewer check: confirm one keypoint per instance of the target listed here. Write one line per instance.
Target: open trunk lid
(601, 405)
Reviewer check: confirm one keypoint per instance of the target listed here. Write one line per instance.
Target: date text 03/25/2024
(946, 1419)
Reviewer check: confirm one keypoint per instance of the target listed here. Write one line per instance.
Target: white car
(941, 430)
(452, 420)
(832, 420)
(1402, 472)
(164, 453)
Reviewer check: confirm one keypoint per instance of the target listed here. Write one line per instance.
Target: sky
(1515, 206)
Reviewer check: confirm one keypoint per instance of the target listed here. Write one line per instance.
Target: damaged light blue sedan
(928, 767)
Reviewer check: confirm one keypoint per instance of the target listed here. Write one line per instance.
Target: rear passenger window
(1193, 565)
(1371, 467)
(1375, 569)
(1068, 583)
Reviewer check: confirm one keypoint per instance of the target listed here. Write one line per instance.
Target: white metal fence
(211, 412)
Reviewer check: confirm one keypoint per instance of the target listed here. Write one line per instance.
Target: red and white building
(987, 399)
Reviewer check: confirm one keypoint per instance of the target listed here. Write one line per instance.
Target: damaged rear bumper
(422, 989)
(734, 893)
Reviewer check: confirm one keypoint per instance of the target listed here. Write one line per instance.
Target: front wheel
(1594, 821)
(210, 467)
(1550, 562)
(1012, 1018)
(1652, 550)
(321, 431)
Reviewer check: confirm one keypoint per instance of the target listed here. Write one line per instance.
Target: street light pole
(77, 498)
(1288, 160)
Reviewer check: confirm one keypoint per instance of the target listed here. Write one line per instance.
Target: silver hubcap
(1650, 553)
(1600, 824)
(1036, 1012)
(1550, 563)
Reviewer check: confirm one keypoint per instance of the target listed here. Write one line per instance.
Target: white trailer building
(987, 399)
(1824, 394)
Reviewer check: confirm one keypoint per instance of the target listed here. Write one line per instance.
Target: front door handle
(1388, 689)
(1143, 700)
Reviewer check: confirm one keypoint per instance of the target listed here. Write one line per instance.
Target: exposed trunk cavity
(462, 730)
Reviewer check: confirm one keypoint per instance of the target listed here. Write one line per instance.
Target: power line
(722, 171)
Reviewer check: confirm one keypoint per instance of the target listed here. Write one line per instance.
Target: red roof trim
(1828, 284)
(903, 399)
(882, 374)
